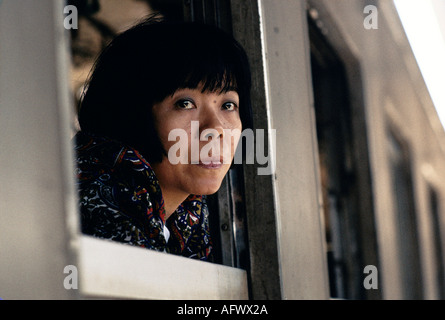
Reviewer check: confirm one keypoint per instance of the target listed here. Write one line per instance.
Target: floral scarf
(120, 199)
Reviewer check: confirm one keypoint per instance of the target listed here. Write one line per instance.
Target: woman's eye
(185, 104)
(230, 106)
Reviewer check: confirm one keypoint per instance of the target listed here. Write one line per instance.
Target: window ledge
(109, 269)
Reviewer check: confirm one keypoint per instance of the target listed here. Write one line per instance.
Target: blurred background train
(359, 158)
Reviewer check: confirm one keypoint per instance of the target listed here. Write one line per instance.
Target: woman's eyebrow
(231, 90)
(180, 90)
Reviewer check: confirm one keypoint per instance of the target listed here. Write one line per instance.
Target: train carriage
(350, 204)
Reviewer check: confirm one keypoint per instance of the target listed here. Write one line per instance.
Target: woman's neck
(172, 195)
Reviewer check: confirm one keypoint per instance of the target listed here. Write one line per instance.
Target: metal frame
(283, 209)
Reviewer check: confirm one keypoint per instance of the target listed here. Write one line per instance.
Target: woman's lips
(211, 163)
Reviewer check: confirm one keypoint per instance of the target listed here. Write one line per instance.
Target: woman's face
(204, 129)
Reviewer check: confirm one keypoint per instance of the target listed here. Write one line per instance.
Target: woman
(154, 79)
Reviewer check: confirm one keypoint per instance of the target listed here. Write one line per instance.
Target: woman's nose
(211, 124)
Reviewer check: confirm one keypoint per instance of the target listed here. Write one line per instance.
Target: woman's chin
(206, 187)
(207, 181)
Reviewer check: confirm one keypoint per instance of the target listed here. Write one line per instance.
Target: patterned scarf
(120, 199)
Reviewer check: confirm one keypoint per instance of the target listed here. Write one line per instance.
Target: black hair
(148, 63)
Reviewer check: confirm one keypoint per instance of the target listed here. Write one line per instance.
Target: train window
(97, 28)
(344, 169)
(98, 24)
(434, 208)
(405, 215)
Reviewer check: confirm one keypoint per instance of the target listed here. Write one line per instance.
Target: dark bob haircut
(148, 63)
